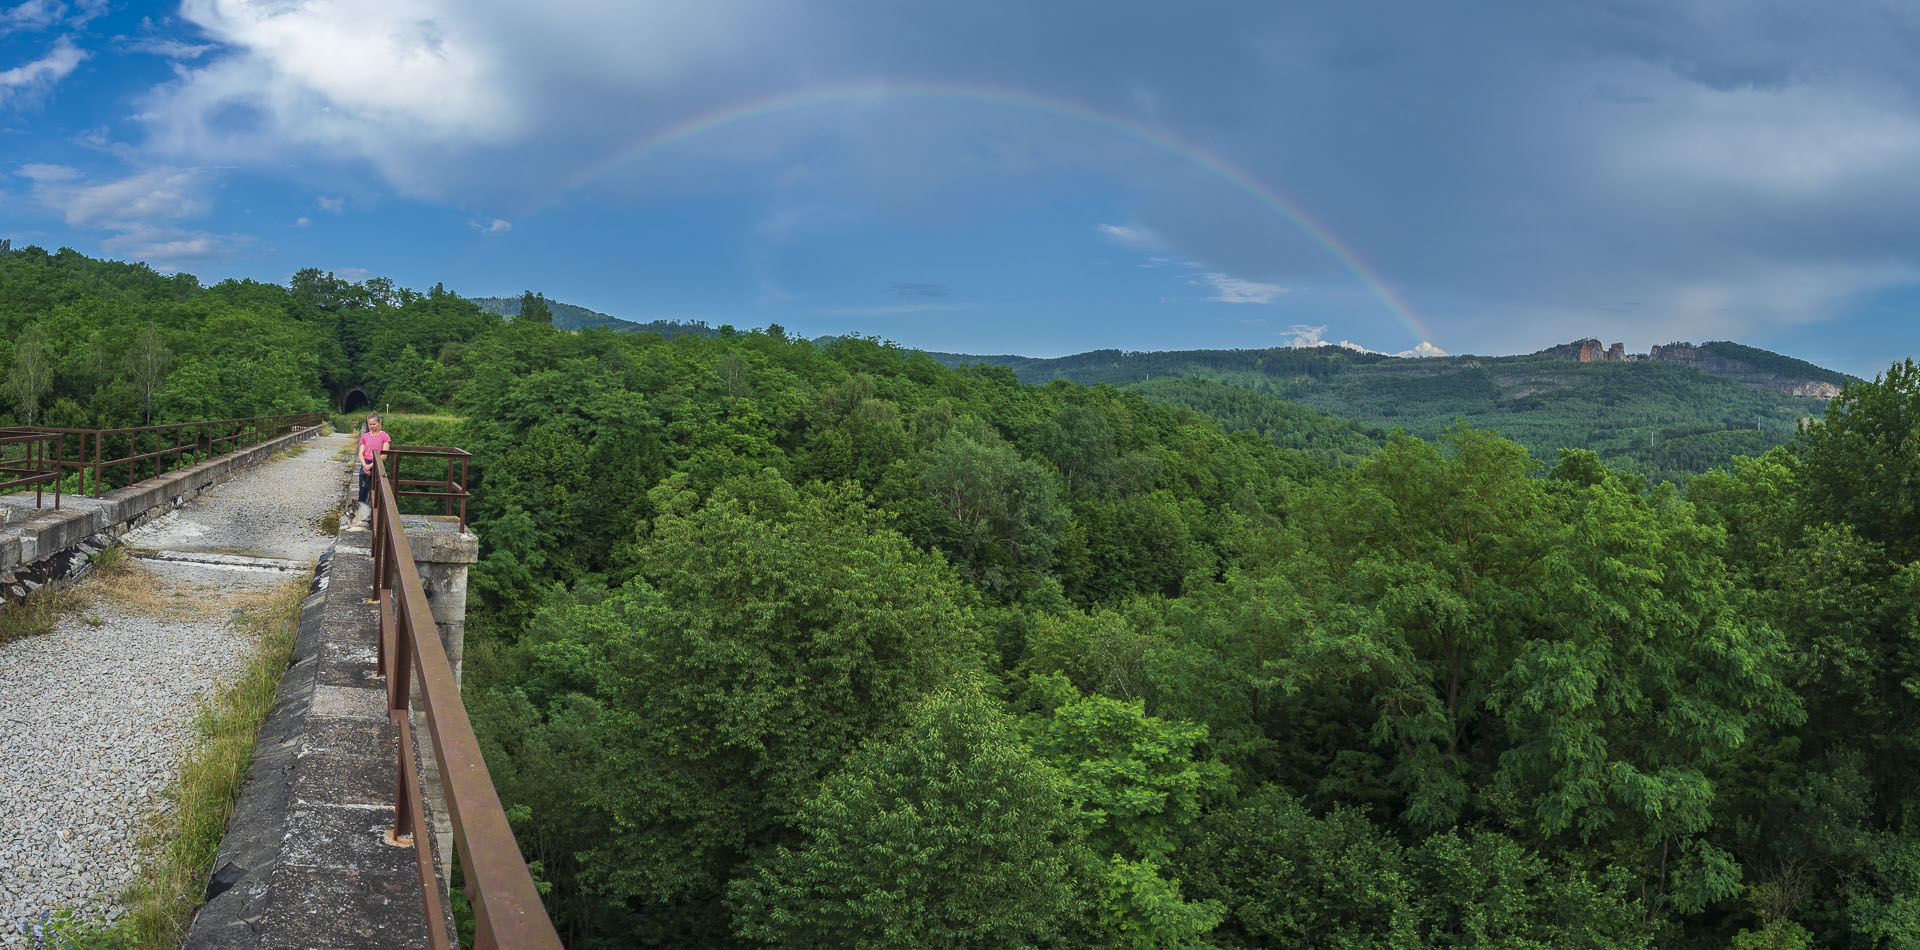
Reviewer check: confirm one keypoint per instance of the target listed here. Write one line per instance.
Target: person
(372, 441)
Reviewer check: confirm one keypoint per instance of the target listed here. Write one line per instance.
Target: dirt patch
(138, 588)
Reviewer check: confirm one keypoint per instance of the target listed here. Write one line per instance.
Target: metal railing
(171, 446)
(506, 907)
(446, 488)
(34, 466)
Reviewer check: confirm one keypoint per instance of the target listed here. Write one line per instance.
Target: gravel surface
(96, 716)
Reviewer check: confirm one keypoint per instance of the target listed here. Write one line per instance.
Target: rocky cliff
(1742, 364)
(1586, 351)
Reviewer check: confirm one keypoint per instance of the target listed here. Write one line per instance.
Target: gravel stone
(96, 719)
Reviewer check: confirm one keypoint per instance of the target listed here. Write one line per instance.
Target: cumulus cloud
(367, 79)
(34, 78)
(422, 89)
(491, 228)
(335, 205)
(302, 221)
(1302, 336)
(1306, 336)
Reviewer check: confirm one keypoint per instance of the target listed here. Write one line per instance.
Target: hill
(567, 316)
(1675, 412)
(1742, 364)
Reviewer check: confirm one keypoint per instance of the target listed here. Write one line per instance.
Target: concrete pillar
(441, 553)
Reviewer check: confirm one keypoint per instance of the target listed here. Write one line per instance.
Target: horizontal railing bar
(428, 450)
(504, 901)
(190, 439)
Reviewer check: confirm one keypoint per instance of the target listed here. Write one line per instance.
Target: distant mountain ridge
(567, 316)
(1743, 364)
(1689, 409)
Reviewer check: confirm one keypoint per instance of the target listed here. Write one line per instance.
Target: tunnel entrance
(354, 400)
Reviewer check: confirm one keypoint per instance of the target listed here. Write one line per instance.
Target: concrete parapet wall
(306, 862)
(44, 549)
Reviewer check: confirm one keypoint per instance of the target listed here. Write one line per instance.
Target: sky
(1009, 177)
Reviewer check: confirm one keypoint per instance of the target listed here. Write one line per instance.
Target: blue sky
(1489, 177)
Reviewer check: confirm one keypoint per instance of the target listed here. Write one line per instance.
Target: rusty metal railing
(507, 912)
(168, 447)
(33, 467)
(447, 488)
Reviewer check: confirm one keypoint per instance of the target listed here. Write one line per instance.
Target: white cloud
(352, 274)
(168, 249)
(1230, 289)
(171, 49)
(1133, 236)
(157, 194)
(1305, 336)
(141, 210)
(335, 205)
(41, 74)
(100, 139)
(302, 221)
(1226, 287)
(492, 228)
(33, 15)
(371, 79)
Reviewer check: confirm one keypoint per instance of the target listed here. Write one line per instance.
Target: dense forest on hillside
(120, 345)
(1663, 420)
(785, 644)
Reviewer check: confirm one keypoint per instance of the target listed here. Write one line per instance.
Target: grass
(42, 611)
(108, 561)
(330, 523)
(34, 617)
(181, 841)
(140, 590)
(184, 839)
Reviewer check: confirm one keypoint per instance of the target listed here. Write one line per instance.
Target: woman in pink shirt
(371, 441)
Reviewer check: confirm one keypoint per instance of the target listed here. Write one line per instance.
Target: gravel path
(96, 716)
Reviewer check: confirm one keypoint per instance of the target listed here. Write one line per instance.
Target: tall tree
(32, 372)
(950, 833)
(534, 309)
(148, 364)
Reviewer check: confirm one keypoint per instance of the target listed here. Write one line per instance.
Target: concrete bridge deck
(96, 716)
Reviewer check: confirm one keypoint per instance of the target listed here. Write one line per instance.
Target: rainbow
(973, 93)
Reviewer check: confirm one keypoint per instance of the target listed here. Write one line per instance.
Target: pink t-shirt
(372, 442)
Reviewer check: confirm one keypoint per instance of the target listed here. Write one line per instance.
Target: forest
(776, 643)
(1664, 420)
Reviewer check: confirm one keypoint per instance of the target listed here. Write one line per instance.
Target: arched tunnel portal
(351, 399)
